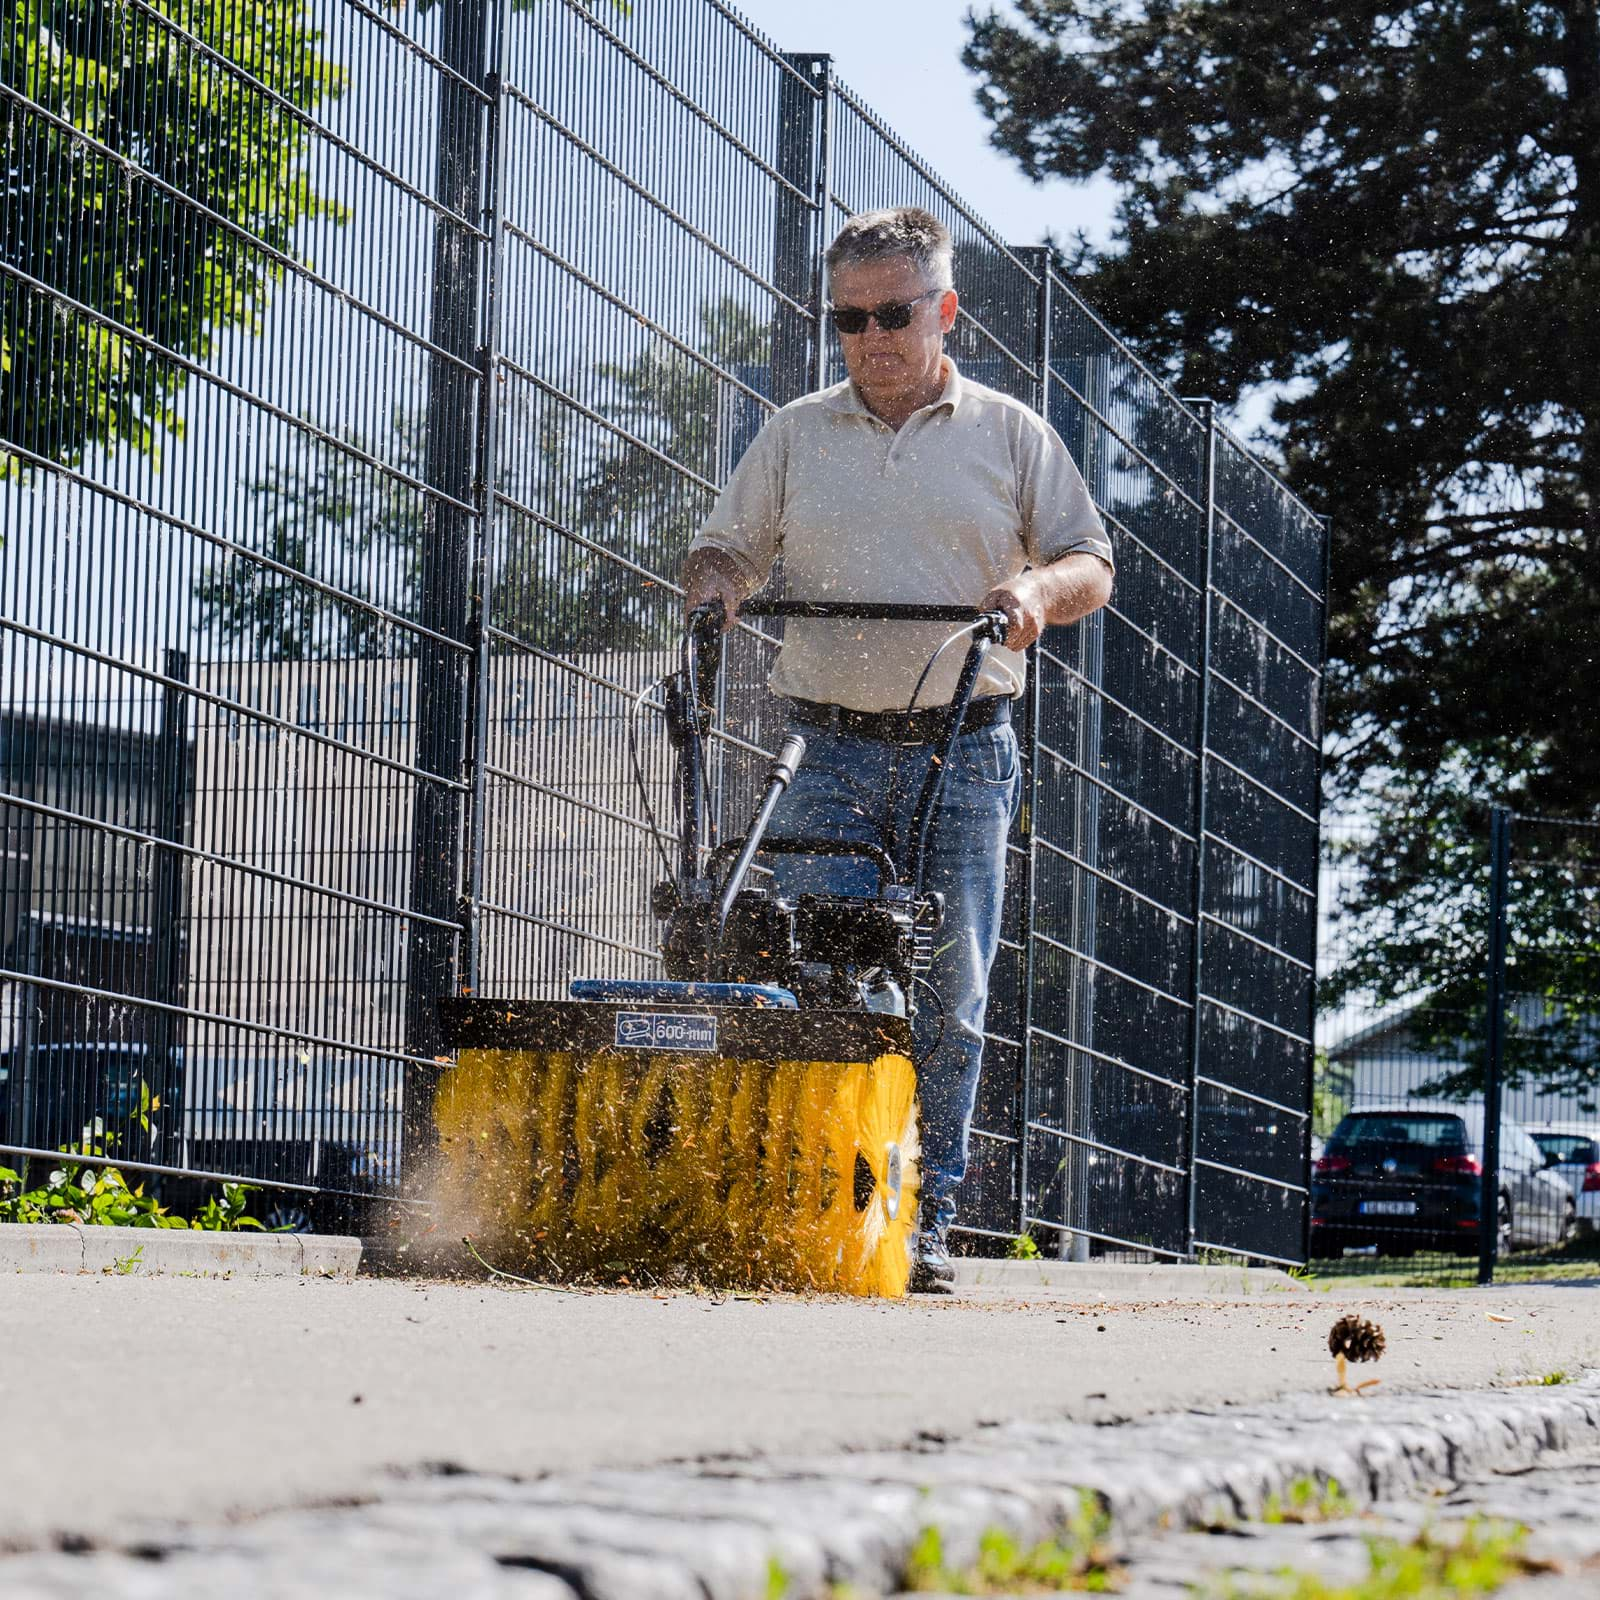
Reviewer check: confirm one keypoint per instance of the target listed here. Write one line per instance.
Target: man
(909, 482)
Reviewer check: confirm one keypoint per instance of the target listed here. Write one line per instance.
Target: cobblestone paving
(747, 1530)
(1555, 1499)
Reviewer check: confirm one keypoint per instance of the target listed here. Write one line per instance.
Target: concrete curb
(719, 1529)
(1093, 1280)
(71, 1247)
(805, 1525)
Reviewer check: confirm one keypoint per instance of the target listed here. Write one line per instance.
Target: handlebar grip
(993, 625)
(708, 619)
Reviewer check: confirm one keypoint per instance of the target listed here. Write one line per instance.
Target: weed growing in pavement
(1551, 1379)
(1485, 1557)
(1077, 1560)
(1309, 1500)
(123, 1265)
(1024, 1248)
(777, 1579)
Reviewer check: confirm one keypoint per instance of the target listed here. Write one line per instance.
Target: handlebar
(707, 621)
(867, 611)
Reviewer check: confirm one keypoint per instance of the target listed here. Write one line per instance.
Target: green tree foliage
(631, 487)
(641, 501)
(351, 527)
(125, 203)
(1389, 213)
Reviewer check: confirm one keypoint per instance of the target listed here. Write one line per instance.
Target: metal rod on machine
(689, 776)
(779, 776)
(701, 646)
(989, 629)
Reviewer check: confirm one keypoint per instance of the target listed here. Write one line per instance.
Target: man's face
(884, 364)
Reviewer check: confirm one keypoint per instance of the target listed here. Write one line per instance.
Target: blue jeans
(847, 787)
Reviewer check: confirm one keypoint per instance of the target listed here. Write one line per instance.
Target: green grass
(1309, 1500)
(1075, 1561)
(1576, 1260)
(1485, 1557)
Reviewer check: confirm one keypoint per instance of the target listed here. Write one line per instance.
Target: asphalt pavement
(222, 1396)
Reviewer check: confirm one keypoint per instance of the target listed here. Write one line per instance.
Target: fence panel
(215, 290)
(1428, 1122)
(640, 303)
(1253, 1051)
(1115, 786)
(1543, 1066)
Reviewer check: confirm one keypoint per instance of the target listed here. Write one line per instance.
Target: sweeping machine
(750, 1119)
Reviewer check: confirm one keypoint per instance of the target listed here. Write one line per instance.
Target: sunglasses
(891, 317)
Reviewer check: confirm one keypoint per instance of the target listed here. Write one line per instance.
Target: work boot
(932, 1271)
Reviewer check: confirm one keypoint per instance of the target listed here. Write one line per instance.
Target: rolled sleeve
(745, 522)
(1058, 516)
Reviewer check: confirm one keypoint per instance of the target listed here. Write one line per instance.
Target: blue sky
(903, 57)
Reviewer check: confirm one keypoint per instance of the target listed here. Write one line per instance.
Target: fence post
(1309, 1094)
(1494, 1035)
(485, 487)
(169, 907)
(1036, 257)
(799, 240)
(444, 601)
(25, 1052)
(1206, 410)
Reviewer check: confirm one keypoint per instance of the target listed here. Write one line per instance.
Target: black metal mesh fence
(1445, 1151)
(368, 373)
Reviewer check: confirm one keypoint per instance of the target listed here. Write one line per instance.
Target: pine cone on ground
(1355, 1339)
(1352, 1339)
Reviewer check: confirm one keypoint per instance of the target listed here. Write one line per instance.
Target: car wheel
(1503, 1245)
(1569, 1222)
(288, 1216)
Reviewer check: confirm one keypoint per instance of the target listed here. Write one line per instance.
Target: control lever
(990, 628)
(779, 776)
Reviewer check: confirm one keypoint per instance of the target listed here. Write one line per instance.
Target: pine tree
(1388, 212)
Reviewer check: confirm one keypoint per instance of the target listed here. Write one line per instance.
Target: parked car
(1572, 1152)
(110, 1092)
(1405, 1178)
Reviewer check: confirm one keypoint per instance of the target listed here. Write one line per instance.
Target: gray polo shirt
(971, 490)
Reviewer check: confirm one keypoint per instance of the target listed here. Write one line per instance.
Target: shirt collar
(846, 398)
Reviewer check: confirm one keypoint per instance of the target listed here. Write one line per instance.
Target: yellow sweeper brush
(751, 1120)
(743, 1170)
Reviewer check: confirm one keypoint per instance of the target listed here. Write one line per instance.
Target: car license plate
(1388, 1208)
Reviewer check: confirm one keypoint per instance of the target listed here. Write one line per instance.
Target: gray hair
(907, 231)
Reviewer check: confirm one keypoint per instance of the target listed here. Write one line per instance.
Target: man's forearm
(1071, 587)
(1051, 596)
